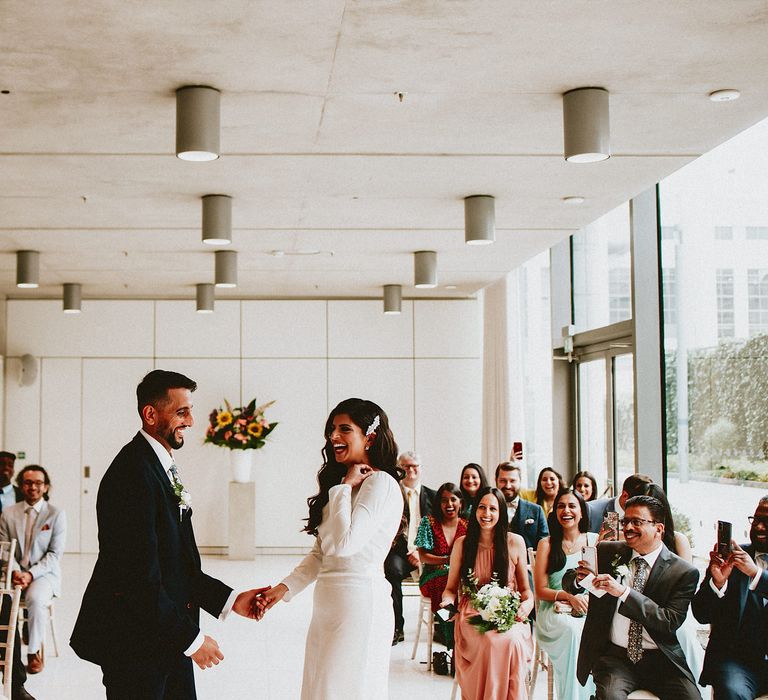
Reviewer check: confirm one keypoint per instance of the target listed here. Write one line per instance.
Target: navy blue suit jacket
(725, 616)
(530, 523)
(143, 600)
(597, 510)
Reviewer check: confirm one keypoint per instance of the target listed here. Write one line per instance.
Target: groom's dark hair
(153, 389)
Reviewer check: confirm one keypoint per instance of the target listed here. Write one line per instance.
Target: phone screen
(723, 538)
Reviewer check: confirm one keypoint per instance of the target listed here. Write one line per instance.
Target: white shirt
(762, 565)
(166, 460)
(7, 496)
(512, 507)
(620, 624)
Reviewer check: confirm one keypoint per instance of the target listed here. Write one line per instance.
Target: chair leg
(418, 632)
(454, 689)
(550, 679)
(53, 630)
(430, 635)
(535, 669)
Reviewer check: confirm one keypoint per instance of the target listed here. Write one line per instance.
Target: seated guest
(403, 557)
(472, 479)
(733, 599)
(559, 633)
(9, 494)
(677, 543)
(548, 484)
(40, 530)
(629, 640)
(491, 666)
(586, 484)
(435, 538)
(634, 485)
(525, 518)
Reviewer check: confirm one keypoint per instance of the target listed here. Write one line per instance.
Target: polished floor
(262, 660)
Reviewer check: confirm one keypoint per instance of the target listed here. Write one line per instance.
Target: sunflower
(255, 430)
(224, 418)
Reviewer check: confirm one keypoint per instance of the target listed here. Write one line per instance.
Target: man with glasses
(733, 599)
(40, 530)
(637, 601)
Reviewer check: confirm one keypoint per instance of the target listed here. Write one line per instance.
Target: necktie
(412, 524)
(635, 637)
(29, 525)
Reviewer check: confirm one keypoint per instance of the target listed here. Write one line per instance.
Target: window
(757, 298)
(619, 295)
(669, 298)
(723, 233)
(757, 233)
(726, 319)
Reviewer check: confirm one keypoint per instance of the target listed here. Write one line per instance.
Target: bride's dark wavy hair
(500, 548)
(382, 454)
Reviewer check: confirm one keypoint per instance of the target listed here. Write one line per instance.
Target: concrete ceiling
(320, 153)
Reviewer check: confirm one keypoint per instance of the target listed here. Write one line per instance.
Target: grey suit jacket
(48, 540)
(661, 607)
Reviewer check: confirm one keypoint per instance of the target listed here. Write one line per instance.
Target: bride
(354, 518)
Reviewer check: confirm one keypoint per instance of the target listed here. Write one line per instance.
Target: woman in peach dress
(493, 665)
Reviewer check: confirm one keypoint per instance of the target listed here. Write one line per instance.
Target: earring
(367, 447)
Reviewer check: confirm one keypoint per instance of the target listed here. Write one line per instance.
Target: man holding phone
(630, 635)
(733, 599)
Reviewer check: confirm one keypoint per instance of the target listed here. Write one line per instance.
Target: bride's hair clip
(372, 427)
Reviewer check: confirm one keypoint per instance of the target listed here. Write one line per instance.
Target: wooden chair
(540, 658)
(8, 597)
(23, 614)
(7, 552)
(425, 618)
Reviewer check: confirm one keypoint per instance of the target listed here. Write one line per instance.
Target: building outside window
(757, 294)
(726, 318)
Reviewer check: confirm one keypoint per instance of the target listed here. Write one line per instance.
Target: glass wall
(714, 251)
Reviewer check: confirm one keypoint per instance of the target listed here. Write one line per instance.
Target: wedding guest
(586, 484)
(403, 558)
(559, 632)
(525, 518)
(40, 529)
(9, 494)
(353, 518)
(472, 479)
(548, 484)
(634, 485)
(491, 666)
(733, 599)
(437, 533)
(629, 640)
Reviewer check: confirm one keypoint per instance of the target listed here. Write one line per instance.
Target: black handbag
(442, 663)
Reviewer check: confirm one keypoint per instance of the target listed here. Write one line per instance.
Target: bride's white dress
(350, 636)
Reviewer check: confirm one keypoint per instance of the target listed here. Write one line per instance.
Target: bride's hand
(267, 599)
(356, 474)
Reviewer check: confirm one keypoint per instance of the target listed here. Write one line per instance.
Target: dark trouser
(740, 680)
(141, 681)
(616, 676)
(19, 673)
(397, 600)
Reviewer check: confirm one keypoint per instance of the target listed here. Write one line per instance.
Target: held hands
(357, 474)
(267, 599)
(22, 579)
(208, 654)
(247, 602)
(578, 603)
(413, 558)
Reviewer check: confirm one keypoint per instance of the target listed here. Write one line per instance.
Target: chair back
(9, 598)
(7, 553)
(532, 566)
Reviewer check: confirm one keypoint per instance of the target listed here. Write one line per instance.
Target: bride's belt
(369, 572)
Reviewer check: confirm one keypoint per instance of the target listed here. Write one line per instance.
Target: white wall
(423, 367)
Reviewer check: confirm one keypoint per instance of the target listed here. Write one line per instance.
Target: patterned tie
(635, 638)
(29, 525)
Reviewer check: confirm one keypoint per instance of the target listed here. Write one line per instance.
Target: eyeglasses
(757, 520)
(29, 482)
(636, 522)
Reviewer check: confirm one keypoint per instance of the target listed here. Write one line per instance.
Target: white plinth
(242, 520)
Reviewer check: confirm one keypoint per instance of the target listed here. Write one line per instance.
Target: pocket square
(530, 521)
(45, 527)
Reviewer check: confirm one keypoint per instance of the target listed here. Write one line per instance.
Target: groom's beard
(175, 442)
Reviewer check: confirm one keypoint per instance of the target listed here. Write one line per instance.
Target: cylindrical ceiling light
(27, 269)
(226, 268)
(72, 298)
(393, 298)
(205, 298)
(197, 122)
(586, 125)
(425, 269)
(217, 219)
(479, 219)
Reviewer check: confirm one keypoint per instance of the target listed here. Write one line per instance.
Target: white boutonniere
(530, 521)
(619, 568)
(185, 498)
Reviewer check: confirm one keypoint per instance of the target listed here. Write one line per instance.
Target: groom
(139, 619)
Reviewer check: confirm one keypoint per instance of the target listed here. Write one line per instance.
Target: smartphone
(723, 538)
(447, 612)
(589, 555)
(517, 451)
(611, 526)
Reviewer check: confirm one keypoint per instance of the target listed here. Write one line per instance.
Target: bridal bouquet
(497, 606)
(241, 428)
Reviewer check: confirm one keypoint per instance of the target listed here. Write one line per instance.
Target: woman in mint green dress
(559, 633)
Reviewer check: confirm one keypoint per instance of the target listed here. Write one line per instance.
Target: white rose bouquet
(497, 606)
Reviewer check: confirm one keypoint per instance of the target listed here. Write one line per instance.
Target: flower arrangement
(497, 606)
(619, 568)
(241, 428)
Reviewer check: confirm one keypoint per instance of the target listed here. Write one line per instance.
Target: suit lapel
(655, 578)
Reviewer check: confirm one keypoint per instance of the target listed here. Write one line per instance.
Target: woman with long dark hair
(472, 479)
(491, 666)
(548, 484)
(558, 632)
(354, 518)
(585, 484)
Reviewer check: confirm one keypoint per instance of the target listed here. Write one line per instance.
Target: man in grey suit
(630, 635)
(634, 485)
(40, 530)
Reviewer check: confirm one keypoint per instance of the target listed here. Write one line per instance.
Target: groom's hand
(209, 654)
(269, 598)
(246, 603)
